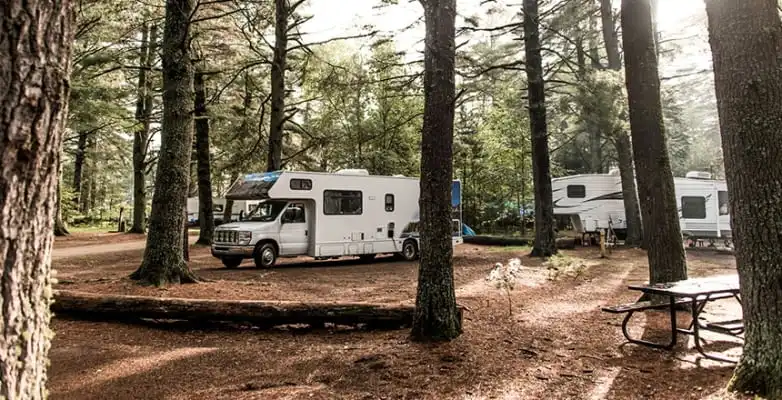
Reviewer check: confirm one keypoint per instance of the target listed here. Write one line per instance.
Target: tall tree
(437, 317)
(148, 53)
(660, 216)
(279, 61)
(206, 219)
(620, 138)
(545, 238)
(746, 44)
(35, 63)
(163, 259)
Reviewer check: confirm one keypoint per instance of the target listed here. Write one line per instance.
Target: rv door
(294, 231)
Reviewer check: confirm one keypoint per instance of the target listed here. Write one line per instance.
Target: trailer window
(342, 202)
(722, 197)
(389, 202)
(576, 191)
(693, 207)
(301, 184)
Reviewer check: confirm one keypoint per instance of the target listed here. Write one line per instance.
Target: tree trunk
(229, 204)
(141, 136)
(87, 197)
(206, 218)
(437, 317)
(277, 115)
(609, 35)
(624, 153)
(60, 229)
(78, 164)
(621, 141)
(163, 262)
(35, 66)
(659, 213)
(745, 37)
(266, 313)
(545, 238)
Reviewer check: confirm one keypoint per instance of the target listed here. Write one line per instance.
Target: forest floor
(547, 338)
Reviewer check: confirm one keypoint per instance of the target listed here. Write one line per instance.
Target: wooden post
(602, 243)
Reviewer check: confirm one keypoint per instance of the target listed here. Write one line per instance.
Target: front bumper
(222, 250)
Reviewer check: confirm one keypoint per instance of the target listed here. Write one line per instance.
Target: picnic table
(693, 292)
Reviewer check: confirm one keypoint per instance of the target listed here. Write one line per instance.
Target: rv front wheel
(410, 250)
(265, 256)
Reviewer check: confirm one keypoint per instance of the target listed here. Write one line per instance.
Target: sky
(342, 17)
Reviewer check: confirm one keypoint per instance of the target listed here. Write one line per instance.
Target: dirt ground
(547, 338)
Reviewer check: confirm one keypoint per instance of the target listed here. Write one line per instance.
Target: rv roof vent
(698, 175)
(613, 172)
(352, 172)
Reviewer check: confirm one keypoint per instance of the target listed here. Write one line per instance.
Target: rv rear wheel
(410, 250)
(265, 256)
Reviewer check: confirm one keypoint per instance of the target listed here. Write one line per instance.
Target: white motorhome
(323, 215)
(595, 201)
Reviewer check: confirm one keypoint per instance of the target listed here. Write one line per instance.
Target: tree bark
(35, 65)
(624, 153)
(545, 238)
(163, 261)
(267, 313)
(148, 51)
(746, 45)
(277, 116)
(437, 317)
(656, 193)
(206, 218)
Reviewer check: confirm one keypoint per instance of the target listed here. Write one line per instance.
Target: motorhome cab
(595, 201)
(323, 215)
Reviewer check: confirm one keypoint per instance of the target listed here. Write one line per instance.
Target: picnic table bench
(693, 292)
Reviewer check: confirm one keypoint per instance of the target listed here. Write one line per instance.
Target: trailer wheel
(265, 256)
(410, 250)
(232, 262)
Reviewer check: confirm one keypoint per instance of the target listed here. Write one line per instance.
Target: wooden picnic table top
(693, 287)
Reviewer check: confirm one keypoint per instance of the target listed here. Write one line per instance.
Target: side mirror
(288, 216)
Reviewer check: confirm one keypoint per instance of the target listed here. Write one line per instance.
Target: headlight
(245, 237)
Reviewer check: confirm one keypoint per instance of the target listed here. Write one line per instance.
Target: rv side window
(722, 197)
(576, 191)
(389, 202)
(301, 184)
(342, 202)
(693, 207)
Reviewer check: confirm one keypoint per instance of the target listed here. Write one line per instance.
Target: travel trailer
(324, 215)
(239, 209)
(594, 202)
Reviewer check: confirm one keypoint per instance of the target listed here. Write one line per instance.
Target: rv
(324, 215)
(594, 202)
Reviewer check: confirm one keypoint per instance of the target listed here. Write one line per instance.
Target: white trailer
(323, 215)
(594, 202)
(239, 209)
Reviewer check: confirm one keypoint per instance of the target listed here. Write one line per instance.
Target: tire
(232, 262)
(366, 257)
(410, 250)
(265, 256)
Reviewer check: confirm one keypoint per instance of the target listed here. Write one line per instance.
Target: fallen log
(261, 313)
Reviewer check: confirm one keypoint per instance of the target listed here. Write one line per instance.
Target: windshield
(266, 211)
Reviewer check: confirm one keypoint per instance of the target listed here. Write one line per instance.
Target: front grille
(226, 236)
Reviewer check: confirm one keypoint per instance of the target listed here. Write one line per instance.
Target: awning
(252, 186)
